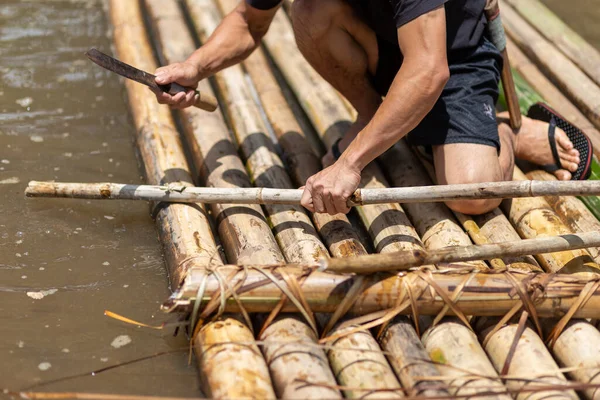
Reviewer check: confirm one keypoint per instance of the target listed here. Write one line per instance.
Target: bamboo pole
(240, 370)
(576, 85)
(360, 365)
(297, 238)
(376, 193)
(571, 210)
(486, 294)
(551, 93)
(531, 362)
(534, 218)
(164, 159)
(410, 362)
(584, 55)
(578, 347)
(463, 360)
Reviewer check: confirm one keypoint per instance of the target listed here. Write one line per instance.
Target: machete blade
(126, 70)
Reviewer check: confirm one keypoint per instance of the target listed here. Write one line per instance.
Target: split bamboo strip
(297, 238)
(387, 225)
(463, 359)
(486, 294)
(240, 370)
(534, 218)
(578, 347)
(184, 230)
(571, 210)
(411, 362)
(551, 94)
(181, 193)
(530, 361)
(560, 34)
(358, 362)
(576, 85)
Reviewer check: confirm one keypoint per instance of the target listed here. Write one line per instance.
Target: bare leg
(343, 50)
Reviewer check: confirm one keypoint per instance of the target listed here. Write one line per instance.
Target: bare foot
(328, 159)
(531, 144)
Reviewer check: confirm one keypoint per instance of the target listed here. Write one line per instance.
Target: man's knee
(314, 17)
(473, 207)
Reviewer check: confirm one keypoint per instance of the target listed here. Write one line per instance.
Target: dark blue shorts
(465, 111)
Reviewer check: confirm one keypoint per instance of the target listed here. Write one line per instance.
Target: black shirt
(465, 19)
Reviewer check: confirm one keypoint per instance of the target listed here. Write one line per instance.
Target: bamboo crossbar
(259, 289)
(407, 259)
(214, 195)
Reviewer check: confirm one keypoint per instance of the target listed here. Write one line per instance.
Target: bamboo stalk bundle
(485, 294)
(410, 362)
(360, 365)
(560, 34)
(578, 347)
(534, 218)
(240, 371)
(571, 210)
(551, 93)
(293, 229)
(434, 222)
(184, 230)
(387, 224)
(467, 354)
(576, 84)
(530, 362)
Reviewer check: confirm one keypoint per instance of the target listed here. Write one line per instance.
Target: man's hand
(329, 190)
(185, 74)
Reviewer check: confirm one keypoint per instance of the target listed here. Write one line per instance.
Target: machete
(205, 102)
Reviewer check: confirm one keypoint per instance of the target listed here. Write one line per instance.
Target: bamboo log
(531, 362)
(486, 294)
(571, 210)
(434, 222)
(556, 31)
(576, 85)
(462, 360)
(578, 347)
(410, 362)
(360, 365)
(374, 194)
(293, 229)
(184, 230)
(240, 371)
(550, 93)
(534, 218)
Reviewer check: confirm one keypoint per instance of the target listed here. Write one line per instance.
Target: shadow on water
(63, 262)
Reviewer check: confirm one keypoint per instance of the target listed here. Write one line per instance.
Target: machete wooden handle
(205, 101)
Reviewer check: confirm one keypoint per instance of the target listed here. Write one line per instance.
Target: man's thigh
(466, 163)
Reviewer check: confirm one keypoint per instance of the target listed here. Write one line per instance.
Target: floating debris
(45, 366)
(24, 102)
(109, 217)
(20, 344)
(36, 138)
(41, 294)
(9, 181)
(65, 350)
(120, 341)
(5, 161)
(105, 263)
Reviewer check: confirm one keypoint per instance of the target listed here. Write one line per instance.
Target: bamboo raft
(264, 323)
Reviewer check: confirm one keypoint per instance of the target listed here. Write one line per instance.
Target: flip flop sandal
(543, 112)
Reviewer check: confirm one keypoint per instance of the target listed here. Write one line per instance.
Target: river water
(63, 262)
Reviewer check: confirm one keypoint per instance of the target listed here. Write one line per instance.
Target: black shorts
(465, 111)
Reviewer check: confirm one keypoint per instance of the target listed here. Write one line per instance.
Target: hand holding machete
(200, 100)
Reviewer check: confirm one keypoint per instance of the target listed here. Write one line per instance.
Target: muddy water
(63, 118)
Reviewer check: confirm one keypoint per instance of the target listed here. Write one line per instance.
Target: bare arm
(238, 35)
(416, 87)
